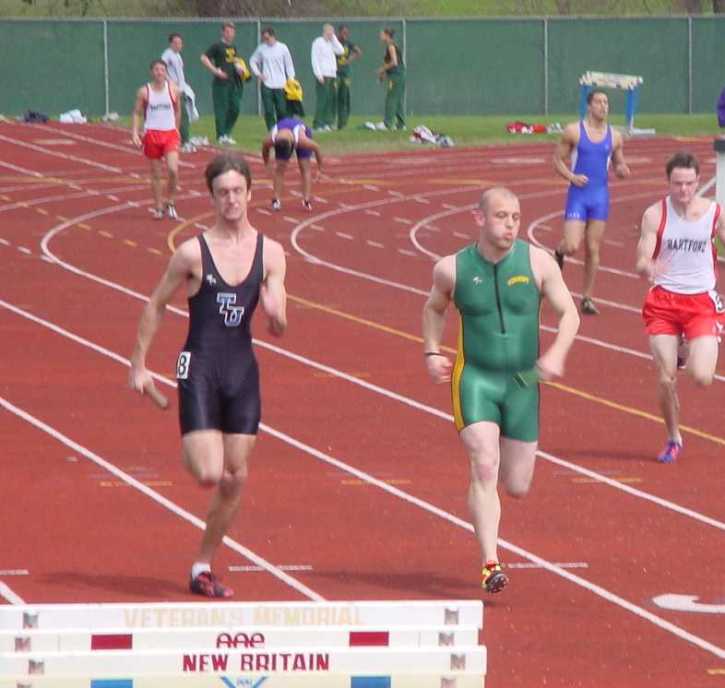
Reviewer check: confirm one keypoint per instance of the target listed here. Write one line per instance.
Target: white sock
(200, 567)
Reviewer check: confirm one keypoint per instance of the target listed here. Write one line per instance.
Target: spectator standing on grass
(392, 74)
(175, 70)
(222, 60)
(272, 64)
(325, 50)
(350, 53)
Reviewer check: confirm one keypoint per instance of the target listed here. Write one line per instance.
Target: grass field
(465, 131)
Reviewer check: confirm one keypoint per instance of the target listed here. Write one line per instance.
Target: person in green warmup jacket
(497, 285)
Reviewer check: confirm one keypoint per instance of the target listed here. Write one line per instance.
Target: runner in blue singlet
(590, 144)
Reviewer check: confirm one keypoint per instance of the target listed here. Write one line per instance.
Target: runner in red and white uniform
(676, 252)
(157, 106)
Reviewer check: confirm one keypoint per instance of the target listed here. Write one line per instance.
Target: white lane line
(448, 206)
(407, 252)
(281, 567)
(288, 218)
(317, 228)
(4, 242)
(152, 494)
(422, 199)
(342, 235)
(64, 156)
(113, 198)
(263, 211)
(371, 187)
(63, 197)
(461, 235)
(374, 244)
(374, 213)
(8, 595)
(24, 250)
(366, 477)
(403, 220)
(396, 194)
(319, 199)
(563, 565)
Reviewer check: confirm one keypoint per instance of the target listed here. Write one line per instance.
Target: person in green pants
(392, 74)
(323, 55)
(221, 59)
(272, 64)
(351, 52)
(497, 285)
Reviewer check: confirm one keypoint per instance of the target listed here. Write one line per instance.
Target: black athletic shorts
(218, 394)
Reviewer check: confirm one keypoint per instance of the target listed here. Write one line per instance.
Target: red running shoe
(208, 585)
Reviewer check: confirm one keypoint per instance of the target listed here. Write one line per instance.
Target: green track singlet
(499, 304)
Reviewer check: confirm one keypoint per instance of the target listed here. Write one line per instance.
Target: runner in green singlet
(497, 285)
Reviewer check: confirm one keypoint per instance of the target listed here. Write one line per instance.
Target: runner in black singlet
(226, 272)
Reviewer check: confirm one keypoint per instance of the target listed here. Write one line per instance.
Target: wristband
(433, 353)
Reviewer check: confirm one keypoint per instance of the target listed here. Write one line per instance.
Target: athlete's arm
(645, 265)
(721, 226)
(621, 169)
(387, 66)
(179, 268)
(553, 289)
(138, 115)
(434, 319)
(272, 294)
(176, 99)
(266, 147)
(218, 72)
(562, 153)
(309, 144)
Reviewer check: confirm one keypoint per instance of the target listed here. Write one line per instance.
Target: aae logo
(243, 682)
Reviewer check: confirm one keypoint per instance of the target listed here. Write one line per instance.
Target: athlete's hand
(579, 180)
(140, 380)
(647, 270)
(221, 74)
(136, 140)
(550, 365)
(622, 170)
(439, 368)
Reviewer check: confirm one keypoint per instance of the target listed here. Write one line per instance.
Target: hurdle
(366, 644)
(627, 82)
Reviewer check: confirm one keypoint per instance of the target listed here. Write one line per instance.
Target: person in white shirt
(157, 106)
(175, 70)
(676, 253)
(325, 50)
(272, 64)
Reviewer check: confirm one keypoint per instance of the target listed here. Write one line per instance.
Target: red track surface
(86, 535)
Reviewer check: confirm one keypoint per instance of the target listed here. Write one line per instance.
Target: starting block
(392, 644)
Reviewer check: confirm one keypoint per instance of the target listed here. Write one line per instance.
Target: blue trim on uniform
(587, 204)
(112, 683)
(370, 682)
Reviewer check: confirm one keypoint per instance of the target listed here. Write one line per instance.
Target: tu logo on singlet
(232, 314)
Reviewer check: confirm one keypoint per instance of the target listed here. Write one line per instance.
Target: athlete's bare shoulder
(444, 274)
(188, 254)
(571, 132)
(273, 256)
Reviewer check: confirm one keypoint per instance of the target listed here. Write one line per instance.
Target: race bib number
(718, 302)
(183, 365)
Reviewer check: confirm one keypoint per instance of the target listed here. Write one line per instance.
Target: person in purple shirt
(292, 135)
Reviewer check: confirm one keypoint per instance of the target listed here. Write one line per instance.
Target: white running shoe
(188, 148)
(276, 204)
(171, 211)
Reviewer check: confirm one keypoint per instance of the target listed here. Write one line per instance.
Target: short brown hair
(226, 162)
(228, 25)
(682, 159)
(593, 92)
(155, 62)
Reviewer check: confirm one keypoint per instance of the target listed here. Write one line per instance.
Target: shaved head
(495, 192)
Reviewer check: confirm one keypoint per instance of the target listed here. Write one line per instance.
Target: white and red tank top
(685, 255)
(160, 115)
